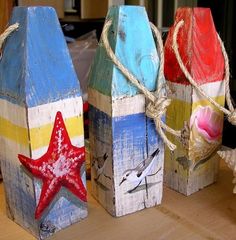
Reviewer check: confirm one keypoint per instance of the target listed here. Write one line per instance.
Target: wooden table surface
(208, 214)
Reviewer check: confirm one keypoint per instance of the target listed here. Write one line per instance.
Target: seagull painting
(142, 170)
(99, 164)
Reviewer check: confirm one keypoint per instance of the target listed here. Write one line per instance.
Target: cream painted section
(128, 106)
(180, 92)
(215, 89)
(187, 93)
(13, 112)
(45, 114)
(118, 107)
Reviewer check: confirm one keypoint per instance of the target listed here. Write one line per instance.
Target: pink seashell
(208, 123)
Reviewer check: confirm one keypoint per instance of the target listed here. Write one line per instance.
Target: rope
(161, 77)
(231, 114)
(156, 108)
(7, 32)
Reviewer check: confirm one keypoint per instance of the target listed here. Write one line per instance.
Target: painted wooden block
(41, 126)
(190, 169)
(126, 152)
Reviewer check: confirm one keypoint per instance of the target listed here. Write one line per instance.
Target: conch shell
(206, 130)
(230, 159)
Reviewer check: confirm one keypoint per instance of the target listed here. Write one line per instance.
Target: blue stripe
(135, 133)
(129, 137)
(100, 125)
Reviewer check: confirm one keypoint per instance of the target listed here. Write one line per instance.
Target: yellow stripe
(13, 132)
(40, 136)
(205, 102)
(180, 111)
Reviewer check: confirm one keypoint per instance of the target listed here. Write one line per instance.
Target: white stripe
(42, 114)
(180, 91)
(215, 89)
(118, 107)
(128, 106)
(45, 114)
(186, 93)
(76, 141)
(12, 112)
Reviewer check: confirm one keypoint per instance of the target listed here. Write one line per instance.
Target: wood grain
(207, 215)
(190, 169)
(37, 82)
(121, 136)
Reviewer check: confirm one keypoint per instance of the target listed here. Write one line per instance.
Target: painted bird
(137, 174)
(99, 163)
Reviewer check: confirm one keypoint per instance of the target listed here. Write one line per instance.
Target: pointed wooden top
(36, 67)
(131, 39)
(199, 48)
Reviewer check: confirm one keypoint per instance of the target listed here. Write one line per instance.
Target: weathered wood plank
(121, 136)
(189, 170)
(39, 92)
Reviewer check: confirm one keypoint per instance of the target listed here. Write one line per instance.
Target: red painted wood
(198, 47)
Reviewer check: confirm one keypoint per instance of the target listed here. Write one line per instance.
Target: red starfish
(59, 166)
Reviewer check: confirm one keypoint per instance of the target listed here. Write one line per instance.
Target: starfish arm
(59, 166)
(30, 164)
(76, 186)
(48, 192)
(78, 159)
(78, 155)
(80, 151)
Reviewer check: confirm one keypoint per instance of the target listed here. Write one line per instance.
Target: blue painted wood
(36, 67)
(124, 141)
(131, 39)
(19, 192)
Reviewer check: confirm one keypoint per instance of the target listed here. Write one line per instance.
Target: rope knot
(157, 108)
(232, 117)
(158, 103)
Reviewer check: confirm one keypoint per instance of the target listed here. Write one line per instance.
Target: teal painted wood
(36, 67)
(131, 39)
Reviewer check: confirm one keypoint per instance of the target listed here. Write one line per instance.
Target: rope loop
(6, 33)
(158, 102)
(231, 113)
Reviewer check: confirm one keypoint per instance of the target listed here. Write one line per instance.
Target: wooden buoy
(41, 126)
(190, 169)
(126, 152)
